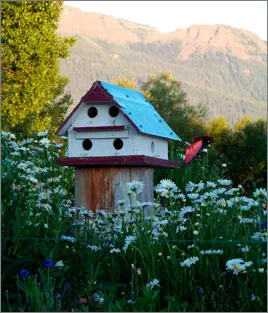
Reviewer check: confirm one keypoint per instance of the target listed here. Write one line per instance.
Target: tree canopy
(31, 53)
(165, 92)
(129, 83)
(243, 149)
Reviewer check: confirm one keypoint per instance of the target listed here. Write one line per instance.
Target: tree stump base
(102, 187)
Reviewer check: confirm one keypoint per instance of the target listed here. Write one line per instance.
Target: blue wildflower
(67, 285)
(48, 263)
(24, 273)
(263, 225)
(58, 295)
(199, 289)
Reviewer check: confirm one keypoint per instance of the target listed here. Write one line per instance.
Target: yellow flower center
(236, 267)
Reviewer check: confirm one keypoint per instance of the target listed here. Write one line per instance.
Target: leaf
(109, 285)
(155, 294)
(21, 286)
(57, 274)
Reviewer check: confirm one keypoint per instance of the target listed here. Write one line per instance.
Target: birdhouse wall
(101, 119)
(103, 140)
(151, 146)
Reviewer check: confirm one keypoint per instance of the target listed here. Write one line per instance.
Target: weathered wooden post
(114, 136)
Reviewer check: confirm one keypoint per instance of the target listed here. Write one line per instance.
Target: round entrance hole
(92, 112)
(87, 144)
(113, 111)
(118, 144)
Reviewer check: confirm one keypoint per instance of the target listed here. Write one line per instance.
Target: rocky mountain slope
(224, 67)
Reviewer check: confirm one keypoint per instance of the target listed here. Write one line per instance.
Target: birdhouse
(114, 136)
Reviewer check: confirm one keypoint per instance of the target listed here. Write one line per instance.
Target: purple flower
(199, 289)
(131, 301)
(263, 224)
(24, 273)
(58, 295)
(67, 285)
(48, 263)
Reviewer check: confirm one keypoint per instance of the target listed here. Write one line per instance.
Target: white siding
(142, 145)
(102, 141)
(102, 119)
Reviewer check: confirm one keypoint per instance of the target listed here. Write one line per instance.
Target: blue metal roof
(140, 111)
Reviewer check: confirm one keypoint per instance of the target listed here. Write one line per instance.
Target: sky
(168, 16)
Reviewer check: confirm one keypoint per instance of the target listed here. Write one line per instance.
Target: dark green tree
(165, 92)
(244, 150)
(31, 52)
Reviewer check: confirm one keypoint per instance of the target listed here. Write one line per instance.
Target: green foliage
(244, 150)
(165, 92)
(31, 53)
(203, 168)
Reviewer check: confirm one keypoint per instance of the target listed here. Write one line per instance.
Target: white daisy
(168, 184)
(224, 182)
(190, 261)
(135, 186)
(42, 134)
(153, 283)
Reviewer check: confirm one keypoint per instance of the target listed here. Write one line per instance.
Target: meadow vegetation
(202, 249)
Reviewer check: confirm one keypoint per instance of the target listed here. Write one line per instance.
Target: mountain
(224, 67)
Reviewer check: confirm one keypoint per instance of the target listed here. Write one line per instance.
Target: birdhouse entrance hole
(118, 144)
(92, 112)
(113, 111)
(87, 144)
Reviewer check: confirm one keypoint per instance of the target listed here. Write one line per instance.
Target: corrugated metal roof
(141, 112)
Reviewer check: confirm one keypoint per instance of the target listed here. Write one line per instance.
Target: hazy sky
(167, 16)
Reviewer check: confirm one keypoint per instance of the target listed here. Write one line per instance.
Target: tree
(244, 150)
(31, 53)
(165, 92)
(129, 83)
(217, 126)
(219, 130)
(242, 123)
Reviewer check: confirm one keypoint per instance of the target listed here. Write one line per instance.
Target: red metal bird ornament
(194, 150)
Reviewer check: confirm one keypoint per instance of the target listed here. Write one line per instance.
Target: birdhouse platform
(114, 136)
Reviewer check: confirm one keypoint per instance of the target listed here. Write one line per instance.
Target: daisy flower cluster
(29, 173)
(166, 188)
(238, 266)
(189, 261)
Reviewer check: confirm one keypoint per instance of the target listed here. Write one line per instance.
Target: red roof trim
(81, 129)
(120, 161)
